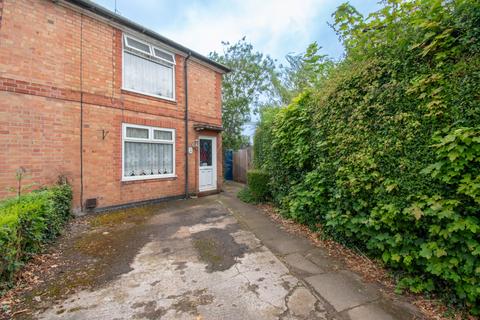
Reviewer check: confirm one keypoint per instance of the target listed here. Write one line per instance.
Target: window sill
(148, 179)
(149, 96)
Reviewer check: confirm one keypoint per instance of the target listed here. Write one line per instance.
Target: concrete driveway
(206, 258)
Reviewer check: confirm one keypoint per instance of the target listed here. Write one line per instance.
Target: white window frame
(152, 57)
(133, 48)
(164, 51)
(149, 140)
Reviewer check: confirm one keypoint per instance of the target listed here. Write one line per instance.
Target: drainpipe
(81, 113)
(185, 82)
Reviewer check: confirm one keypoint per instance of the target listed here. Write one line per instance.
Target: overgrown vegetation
(257, 189)
(384, 150)
(246, 196)
(258, 183)
(27, 223)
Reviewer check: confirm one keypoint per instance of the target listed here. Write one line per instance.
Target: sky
(274, 27)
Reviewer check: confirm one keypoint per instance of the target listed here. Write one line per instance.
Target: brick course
(53, 57)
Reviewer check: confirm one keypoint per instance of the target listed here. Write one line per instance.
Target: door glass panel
(205, 152)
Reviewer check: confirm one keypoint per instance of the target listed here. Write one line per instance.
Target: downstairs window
(148, 152)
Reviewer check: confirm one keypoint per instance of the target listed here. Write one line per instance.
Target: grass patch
(246, 196)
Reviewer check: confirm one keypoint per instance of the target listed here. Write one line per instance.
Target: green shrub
(290, 153)
(9, 246)
(306, 200)
(28, 222)
(386, 154)
(262, 139)
(257, 181)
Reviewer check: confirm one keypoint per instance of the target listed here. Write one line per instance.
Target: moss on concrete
(208, 251)
(217, 248)
(99, 254)
(131, 215)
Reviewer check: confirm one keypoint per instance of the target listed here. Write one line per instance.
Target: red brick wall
(39, 43)
(203, 88)
(41, 135)
(103, 157)
(46, 64)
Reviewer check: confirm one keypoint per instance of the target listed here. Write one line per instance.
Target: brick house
(125, 114)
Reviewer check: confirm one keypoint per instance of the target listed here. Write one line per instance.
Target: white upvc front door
(207, 149)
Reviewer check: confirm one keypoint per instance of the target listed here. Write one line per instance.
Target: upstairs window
(148, 69)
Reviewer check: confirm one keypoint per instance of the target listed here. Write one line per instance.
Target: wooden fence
(242, 161)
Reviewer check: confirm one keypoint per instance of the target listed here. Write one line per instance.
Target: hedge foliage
(26, 223)
(257, 189)
(257, 181)
(386, 153)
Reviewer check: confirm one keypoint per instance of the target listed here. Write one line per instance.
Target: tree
(244, 89)
(303, 71)
(255, 81)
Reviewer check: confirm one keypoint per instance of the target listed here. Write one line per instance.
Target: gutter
(185, 83)
(101, 11)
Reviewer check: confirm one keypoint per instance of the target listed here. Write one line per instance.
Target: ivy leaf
(453, 155)
(391, 187)
(425, 252)
(396, 257)
(407, 260)
(440, 252)
(416, 211)
(432, 168)
(386, 256)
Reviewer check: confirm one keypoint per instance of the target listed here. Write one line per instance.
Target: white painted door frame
(203, 171)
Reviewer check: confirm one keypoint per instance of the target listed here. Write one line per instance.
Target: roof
(102, 11)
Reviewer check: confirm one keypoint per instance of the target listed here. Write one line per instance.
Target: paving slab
(382, 310)
(285, 244)
(301, 302)
(265, 230)
(343, 290)
(320, 257)
(301, 264)
(370, 312)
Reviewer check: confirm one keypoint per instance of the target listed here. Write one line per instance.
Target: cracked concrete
(219, 258)
(198, 263)
(341, 293)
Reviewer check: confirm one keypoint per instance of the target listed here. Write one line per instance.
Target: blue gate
(228, 165)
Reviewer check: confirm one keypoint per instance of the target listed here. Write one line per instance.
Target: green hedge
(26, 223)
(257, 189)
(258, 184)
(386, 154)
